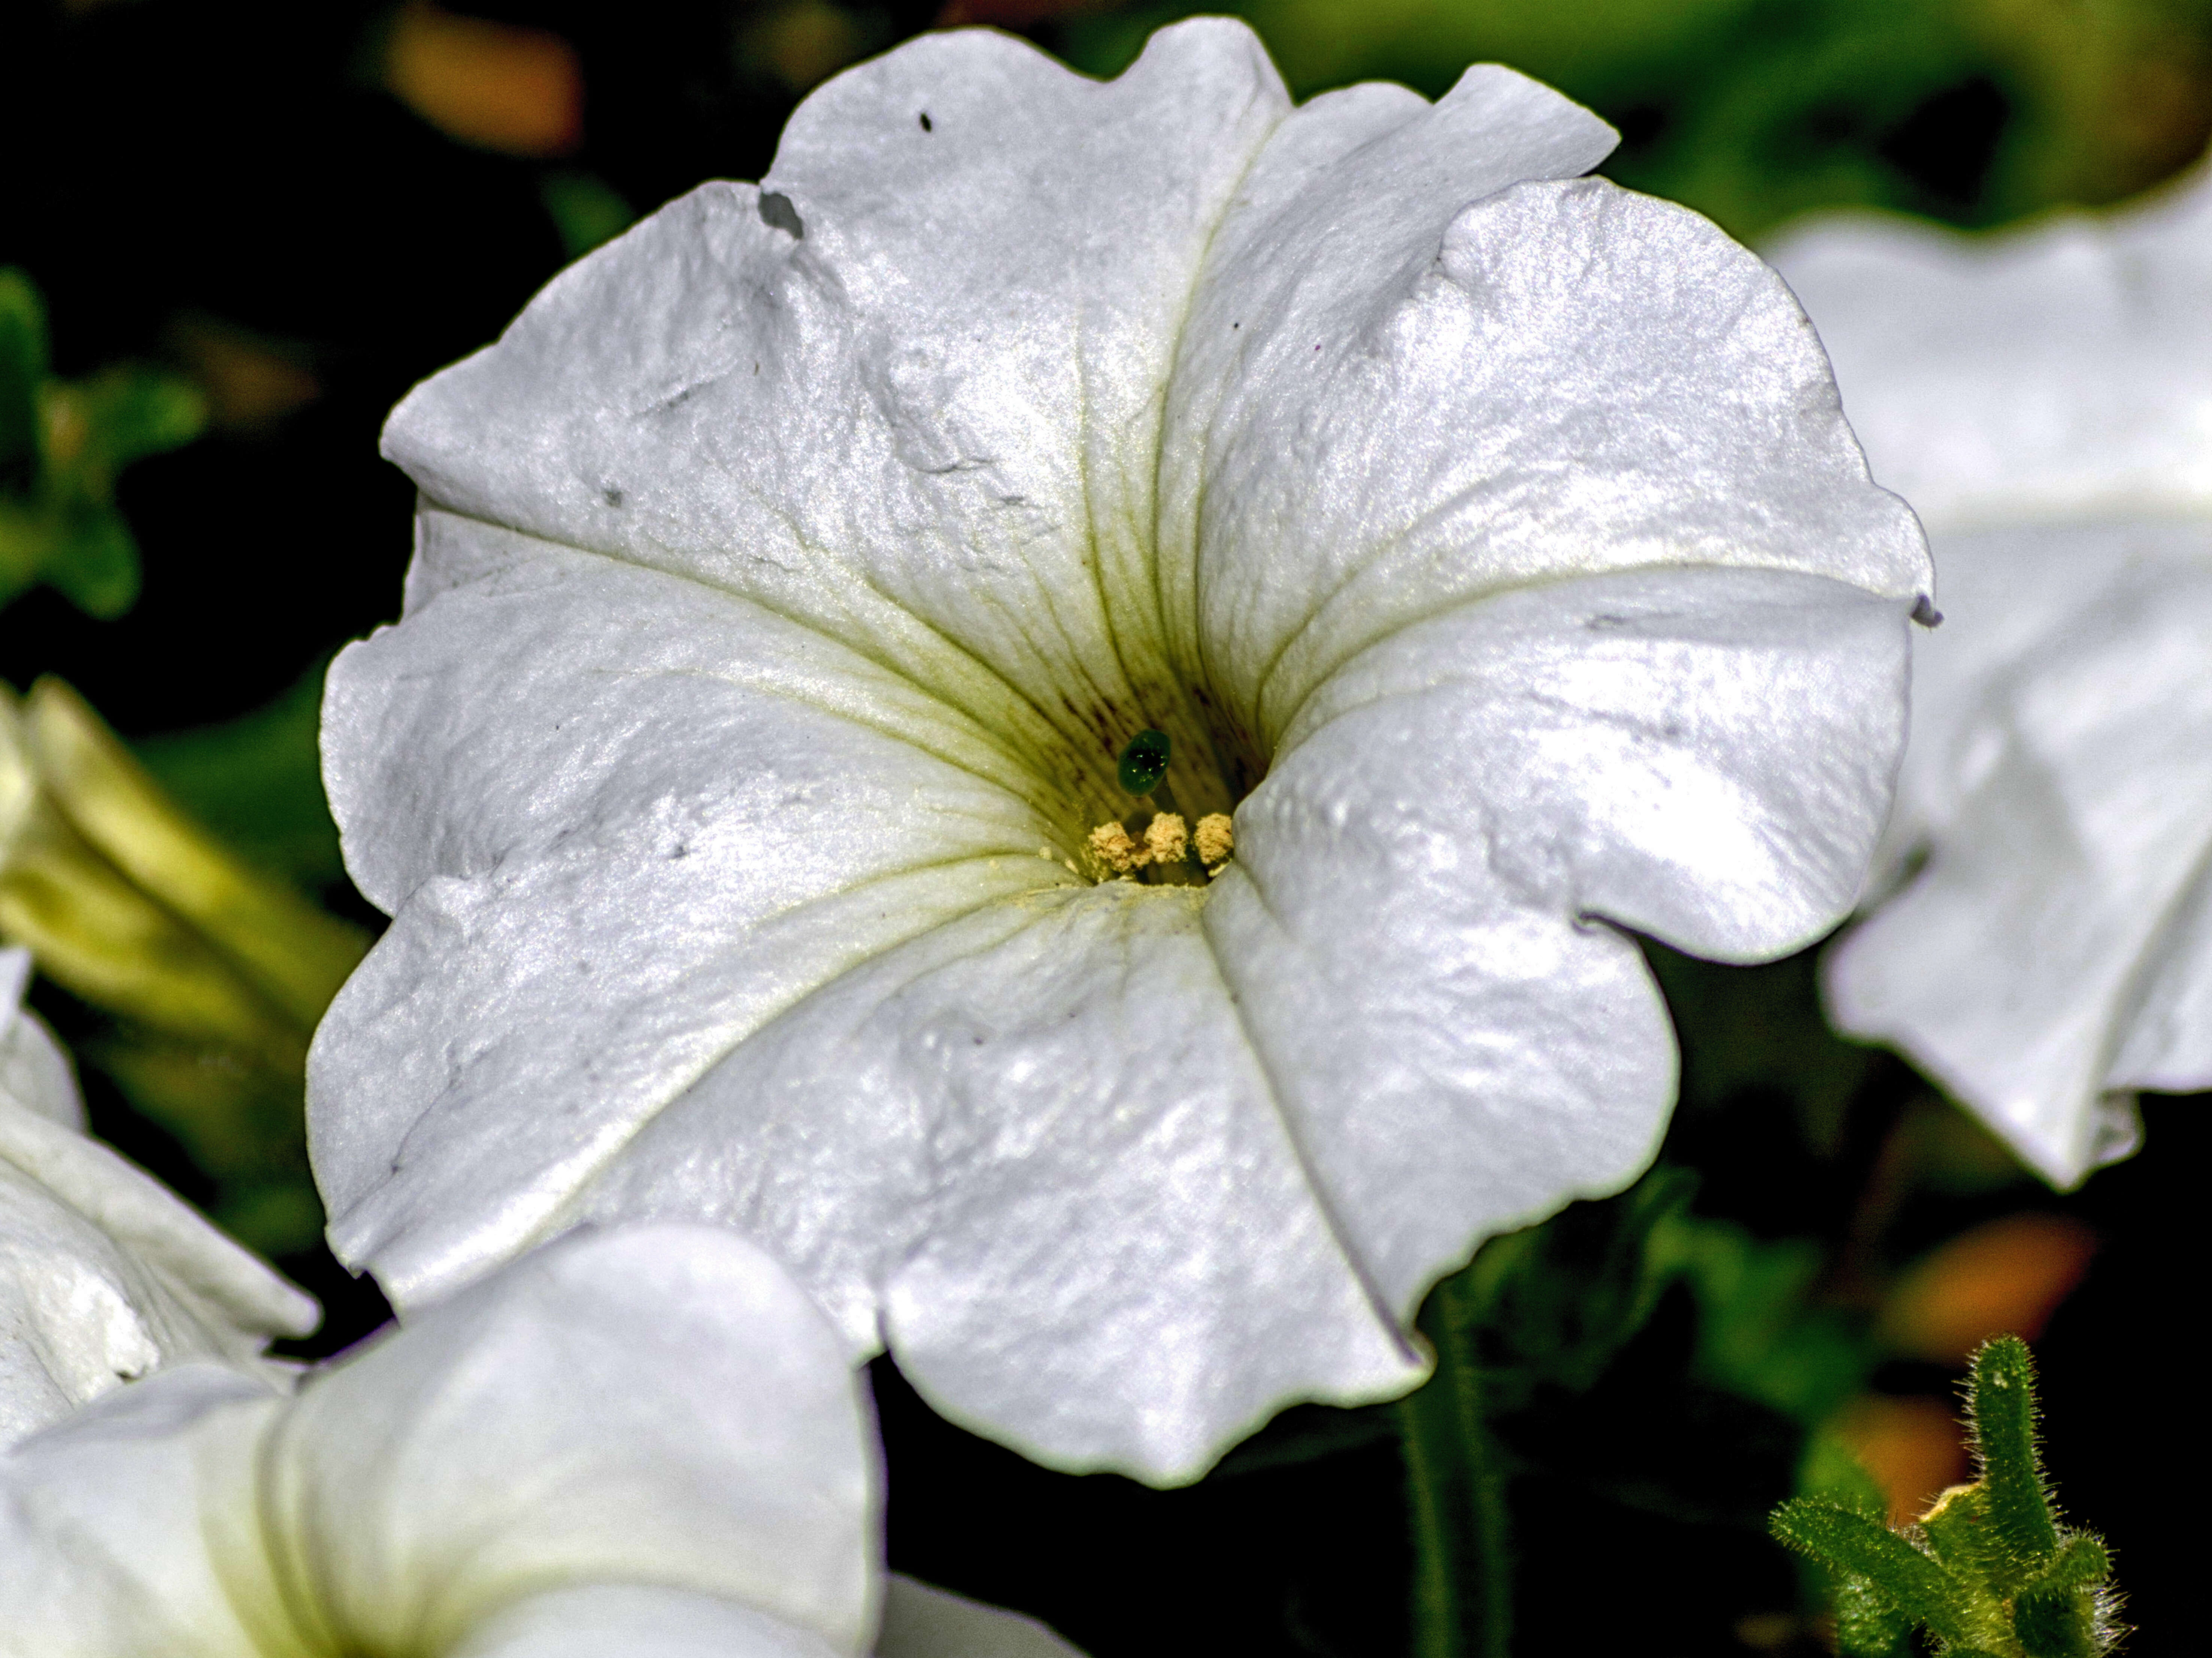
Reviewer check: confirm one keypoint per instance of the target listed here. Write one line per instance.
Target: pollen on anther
(1166, 838)
(1113, 850)
(1216, 838)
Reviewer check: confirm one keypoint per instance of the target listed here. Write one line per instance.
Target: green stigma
(1145, 761)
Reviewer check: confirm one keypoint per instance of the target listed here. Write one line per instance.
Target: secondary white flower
(645, 1442)
(2044, 399)
(105, 1275)
(793, 574)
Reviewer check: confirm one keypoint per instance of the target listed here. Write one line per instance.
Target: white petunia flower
(645, 1442)
(792, 576)
(2044, 397)
(105, 1274)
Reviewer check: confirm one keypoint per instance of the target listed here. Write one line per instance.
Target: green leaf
(1851, 1544)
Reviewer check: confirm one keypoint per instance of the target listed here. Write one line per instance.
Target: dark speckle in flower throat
(928, 126)
(612, 496)
(778, 214)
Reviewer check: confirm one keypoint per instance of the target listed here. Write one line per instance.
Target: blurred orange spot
(1911, 1446)
(2008, 1275)
(498, 86)
(248, 384)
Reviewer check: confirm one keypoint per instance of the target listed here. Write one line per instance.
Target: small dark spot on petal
(778, 214)
(612, 496)
(1925, 613)
(927, 125)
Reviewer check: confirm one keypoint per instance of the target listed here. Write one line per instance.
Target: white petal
(684, 815)
(919, 1622)
(1686, 751)
(609, 1620)
(1036, 1149)
(34, 1072)
(922, 1622)
(651, 1405)
(103, 1549)
(106, 1276)
(657, 1407)
(1409, 379)
(2057, 946)
(2056, 372)
(929, 427)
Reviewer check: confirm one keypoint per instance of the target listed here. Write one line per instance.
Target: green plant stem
(1456, 1497)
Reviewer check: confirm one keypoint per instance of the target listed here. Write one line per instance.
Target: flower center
(1154, 842)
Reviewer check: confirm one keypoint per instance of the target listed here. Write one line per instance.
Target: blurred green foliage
(1754, 111)
(211, 969)
(62, 445)
(1549, 1309)
(585, 209)
(257, 782)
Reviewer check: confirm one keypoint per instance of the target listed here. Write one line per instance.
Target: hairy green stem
(1455, 1499)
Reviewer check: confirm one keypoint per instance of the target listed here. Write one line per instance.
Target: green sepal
(2022, 1535)
(1857, 1546)
(1957, 1532)
(2083, 1561)
(1869, 1625)
(2056, 1616)
(2061, 1623)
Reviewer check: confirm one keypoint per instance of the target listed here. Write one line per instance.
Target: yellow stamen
(1216, 838)
(1113, 850)
(1166, 839)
